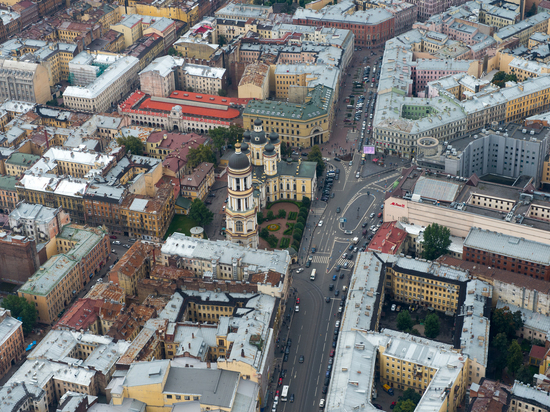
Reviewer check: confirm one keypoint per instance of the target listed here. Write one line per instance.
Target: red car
(280, 381)
(113, 237)
(332, 353)
(297, 301)
(277, 393)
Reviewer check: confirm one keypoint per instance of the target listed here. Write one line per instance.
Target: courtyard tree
(404, 320)
(22, 310)
(515, 357)
(431, 326)
(504, 321)
(200, 213)
(200, 154)
(132, 143)
(437, 240)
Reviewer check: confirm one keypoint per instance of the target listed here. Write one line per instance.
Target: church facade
(257, 176)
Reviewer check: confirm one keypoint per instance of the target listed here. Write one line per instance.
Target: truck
(388, 388)
(355, 240)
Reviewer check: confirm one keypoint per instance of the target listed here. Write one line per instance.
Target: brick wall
(18, 260)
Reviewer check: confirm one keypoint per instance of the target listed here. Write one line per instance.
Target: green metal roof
(8, 182)
(22, 159)
(318, 103)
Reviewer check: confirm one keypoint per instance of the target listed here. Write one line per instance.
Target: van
(349, 107)
(312, 276)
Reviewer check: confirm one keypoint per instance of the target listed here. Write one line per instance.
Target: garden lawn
(182, 224)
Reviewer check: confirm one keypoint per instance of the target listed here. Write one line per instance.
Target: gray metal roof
(147, 373)
(510, 246)
(215, 387)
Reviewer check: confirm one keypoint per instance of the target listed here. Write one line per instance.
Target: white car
(297, 309)
(393, 307)
(300, 270)
(322, 403)
(320, 223)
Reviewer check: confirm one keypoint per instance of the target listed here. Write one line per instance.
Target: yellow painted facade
(435, 293)
(527, 105)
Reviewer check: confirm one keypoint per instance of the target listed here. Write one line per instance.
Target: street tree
(404, 320)
(431, 326)
(437, 240)
(22, 310)
(200, 213)
(132, 143)
(315, 155)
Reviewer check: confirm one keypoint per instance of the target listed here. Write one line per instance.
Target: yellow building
(426, 289)
(527, 98)
(131, 28)
(297, 124)
(197, 184)
(18, 163)
(81, 253)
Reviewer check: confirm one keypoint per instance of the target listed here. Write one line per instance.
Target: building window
(239, 226)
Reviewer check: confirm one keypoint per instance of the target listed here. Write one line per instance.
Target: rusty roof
(255, 74)
(134, 259)
(80, 316)
(266, 277)
(166, 273)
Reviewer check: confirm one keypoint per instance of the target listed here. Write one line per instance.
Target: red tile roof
(79, 316)
(230, 113)
(537, 352)
(388, 239)
(207, 98)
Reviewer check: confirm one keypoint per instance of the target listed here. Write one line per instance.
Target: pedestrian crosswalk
(326, 259)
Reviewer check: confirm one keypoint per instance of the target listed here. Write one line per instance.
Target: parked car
(113, 237)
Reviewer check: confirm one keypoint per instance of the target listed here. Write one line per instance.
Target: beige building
(11, 341)
(107, 89)
(203, 79)
(159, 77)
(18, 163)
(254, 83)
(27, 82)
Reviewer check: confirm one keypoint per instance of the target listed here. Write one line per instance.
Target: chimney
(242, 353)
(189, 345)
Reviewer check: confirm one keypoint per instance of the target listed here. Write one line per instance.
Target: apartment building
(507, 252)
(19, 258)
(524, 29)
(254, 83)
(134, 265)
(18, 163)
(38, 221)
(203, 79)
(81, 252)
(8, 194)
(27, 82)
(159, 77)
(499, 17)
(200, 42)
(12, 342)
(369, 27)
(197, 184)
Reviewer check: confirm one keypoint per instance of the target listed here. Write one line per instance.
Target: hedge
(285, 243)
(292, 215)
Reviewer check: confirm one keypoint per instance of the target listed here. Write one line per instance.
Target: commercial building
(370, 27)
(81, 253)
(181, 111)
(515, 254)
(297, 124)
(12, 342)
(100, 91)
(27, 82)
(39, 222)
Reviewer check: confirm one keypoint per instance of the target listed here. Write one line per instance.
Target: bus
(284, 394)
(313, 272)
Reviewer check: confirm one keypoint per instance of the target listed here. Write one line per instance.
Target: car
(334, 344)
(292, 398)
(300, 270)
(332, 195)
(393, 307)
(308, 264)
(126, 246)
(331, 286)
(331, 354)
(337, 159)
(345, 255)
(346, 265)
(313, 249)
(112, 266)
(132, 239)
(322, 403)
(297, 301)
(337, 324)
(327, 299)
(334, 277)
(380, 214)
(320, 223)
(285, 358)
(113, 237)
(350, 257)
(338, 267)
(355, 249)
(393, 404)
(327, 381)
(280, 381)
(348, 232)
(338, 210)
(289, 344)
(350, 247)
(372, 215)
(377, 406)
(341, 275)
(301, 359)
(223, 209)
(116, 242)
(336, 292)
(226, 200)
(297, 309)
(287, 350)
(382, 206)
(325, 389)
(283, 373)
